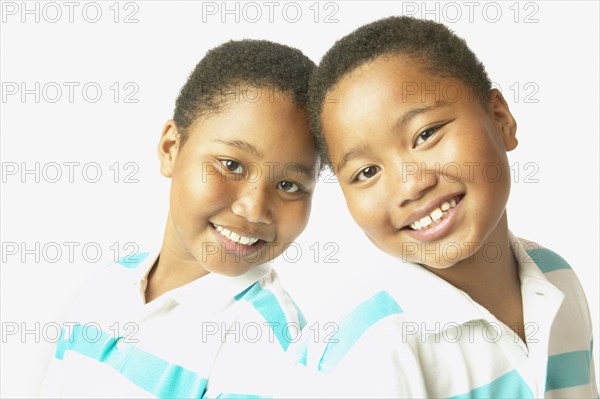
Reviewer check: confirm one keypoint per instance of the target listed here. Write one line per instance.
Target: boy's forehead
(398, 78)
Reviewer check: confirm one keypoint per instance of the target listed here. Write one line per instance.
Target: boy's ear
(503, 118)
(168, 148)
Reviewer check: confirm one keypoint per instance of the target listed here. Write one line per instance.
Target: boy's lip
(428, 208)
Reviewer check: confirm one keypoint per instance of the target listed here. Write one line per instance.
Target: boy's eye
(232, 166)
(288, 186)
(367, 173)
(421, 138)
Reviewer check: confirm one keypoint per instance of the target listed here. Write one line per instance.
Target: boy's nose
(415, 181)
(252, 204)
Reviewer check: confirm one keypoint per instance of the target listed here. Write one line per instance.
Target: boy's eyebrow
(352, 153)
(420, 110)
(242, 145)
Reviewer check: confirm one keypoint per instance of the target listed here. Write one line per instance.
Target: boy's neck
(173, 269)
(493, 283)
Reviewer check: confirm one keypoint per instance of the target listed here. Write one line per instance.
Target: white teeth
(236, 237)
(434, 216)
(426, 221)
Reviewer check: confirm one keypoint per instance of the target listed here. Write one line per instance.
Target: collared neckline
(531, 276)
(212, 290)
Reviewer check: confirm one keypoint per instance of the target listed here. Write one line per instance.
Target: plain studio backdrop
(87, 87)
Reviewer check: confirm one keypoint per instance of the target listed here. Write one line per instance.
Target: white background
(555, 54)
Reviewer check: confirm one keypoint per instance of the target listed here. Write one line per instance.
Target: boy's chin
(228, 268)
(231, 270)
(433, 261)
(438, 266)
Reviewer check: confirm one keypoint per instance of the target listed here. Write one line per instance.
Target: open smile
(434, 217)
(434, 221)
(243, 244)
(237, 238)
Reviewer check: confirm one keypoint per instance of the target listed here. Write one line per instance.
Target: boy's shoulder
(546, 259)
(371, 319)
(557, 271)
(110, 282)
(554, 267)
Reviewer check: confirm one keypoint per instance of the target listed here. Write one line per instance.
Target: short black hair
(439, 50)
(223, 69)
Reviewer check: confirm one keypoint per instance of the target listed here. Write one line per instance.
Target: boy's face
(422, 163)
(242, 183)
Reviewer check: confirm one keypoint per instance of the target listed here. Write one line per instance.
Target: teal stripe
(547, 260)
(510, 385)
(302, 353)
(134, 260)
(355, 325)
(144, 369)
(568, 370)
(268, 306)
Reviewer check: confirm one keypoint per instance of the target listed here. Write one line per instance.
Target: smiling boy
(417, 137)
(206, 316)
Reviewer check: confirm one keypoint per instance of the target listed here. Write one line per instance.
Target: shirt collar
(529, 271)
(213, 288)
(533, 280)
(217, 289)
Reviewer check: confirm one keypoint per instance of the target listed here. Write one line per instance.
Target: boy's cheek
(365, 209)
(299, 217)
(293, 220)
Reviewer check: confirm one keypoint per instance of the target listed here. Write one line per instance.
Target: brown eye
(426, 134)
(288, 186)
(232, 166)
(367, 173)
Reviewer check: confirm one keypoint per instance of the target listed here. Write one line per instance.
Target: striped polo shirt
(214, 337)
(418, 336)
